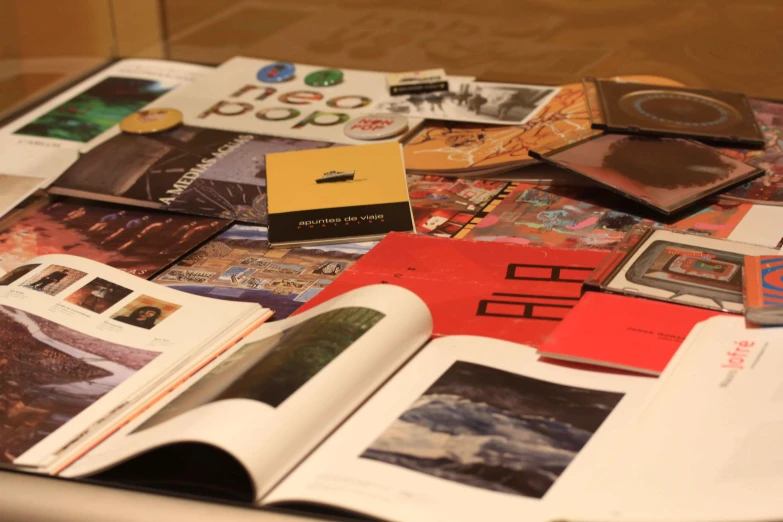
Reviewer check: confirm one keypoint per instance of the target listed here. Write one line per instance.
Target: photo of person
(495, 430)
(145, 312)
(674, 172)
(98, 295)
(17, 273)
(54, 279)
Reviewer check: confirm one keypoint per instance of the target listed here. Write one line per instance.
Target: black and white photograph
(475, 101)
(494, 429)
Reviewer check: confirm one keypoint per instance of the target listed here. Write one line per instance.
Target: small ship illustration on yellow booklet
(333, 176)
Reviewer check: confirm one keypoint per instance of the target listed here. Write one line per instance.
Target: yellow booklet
(331, 195)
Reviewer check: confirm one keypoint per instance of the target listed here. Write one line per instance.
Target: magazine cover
(330, 195)
(239, 265)
(187, 169)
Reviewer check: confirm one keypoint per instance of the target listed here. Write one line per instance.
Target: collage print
(239, 265)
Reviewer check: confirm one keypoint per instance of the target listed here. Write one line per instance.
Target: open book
(84, 348)
(346, 406)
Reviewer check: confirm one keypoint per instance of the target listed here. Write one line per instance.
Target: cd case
(676, 267)
(665, 174)
(708, 115)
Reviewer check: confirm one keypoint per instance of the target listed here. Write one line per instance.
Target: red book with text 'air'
(623, 332)
(512, 292)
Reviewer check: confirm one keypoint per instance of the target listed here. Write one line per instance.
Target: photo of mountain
(494, 430)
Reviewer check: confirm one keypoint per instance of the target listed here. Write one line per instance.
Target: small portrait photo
(145, 312)
(54, 279)
(17, 273)
(330, 268)
(98, 295)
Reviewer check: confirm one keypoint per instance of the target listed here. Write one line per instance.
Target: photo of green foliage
(88, 114)
(272, 369)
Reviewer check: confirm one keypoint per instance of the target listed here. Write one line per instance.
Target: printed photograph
(140, 242)
(675, 172)
(17, 273)
(98, 295)
(51, 373)
(54, 279)
(494, 430)
(95, 110)
(273, 369)
(245, 247)
(475, 101)
(145, 312)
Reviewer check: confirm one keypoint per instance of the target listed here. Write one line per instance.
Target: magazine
(258, 423)
(85, 347)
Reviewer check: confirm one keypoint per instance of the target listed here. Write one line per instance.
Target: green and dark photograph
(88, 114)
(272, 369)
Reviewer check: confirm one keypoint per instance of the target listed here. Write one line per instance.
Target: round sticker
(276, 72)
(376, 126)
(324, 78)
(149, 121)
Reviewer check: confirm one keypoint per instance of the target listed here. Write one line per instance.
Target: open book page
(83, 346)
(271, 399)
(709, 443)
(471, 429)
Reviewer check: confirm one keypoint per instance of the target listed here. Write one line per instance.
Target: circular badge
(324, 78)
(149, 121)
(276, 72)
(376, 126)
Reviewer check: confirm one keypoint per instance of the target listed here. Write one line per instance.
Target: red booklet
(506, 291)
(630, 333)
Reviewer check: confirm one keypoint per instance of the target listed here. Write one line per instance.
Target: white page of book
(82, 340)
(233, 99)
(471, 429)
(762, 225)
(272, 398)
(38, 145)
(708, 446)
